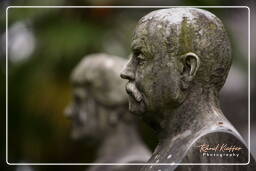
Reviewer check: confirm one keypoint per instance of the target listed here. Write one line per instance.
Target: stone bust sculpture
(181, 58)
(100, 111)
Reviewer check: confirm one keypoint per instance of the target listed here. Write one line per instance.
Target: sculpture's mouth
(133, 91)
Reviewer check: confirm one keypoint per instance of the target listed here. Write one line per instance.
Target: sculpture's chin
(137, 108)
(79, 135)
(133, 110)
(79, 132)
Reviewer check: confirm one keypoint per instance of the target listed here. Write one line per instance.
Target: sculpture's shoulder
(218, 145)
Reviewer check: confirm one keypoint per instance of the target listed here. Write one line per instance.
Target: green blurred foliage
(39, 88)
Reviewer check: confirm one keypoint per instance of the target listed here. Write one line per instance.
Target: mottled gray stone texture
(99, 111)
(181, 58)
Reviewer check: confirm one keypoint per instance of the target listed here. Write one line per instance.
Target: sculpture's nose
(128, 71)
(69, 110)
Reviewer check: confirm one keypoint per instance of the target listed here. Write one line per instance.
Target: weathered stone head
(176, 52)
(99, 98)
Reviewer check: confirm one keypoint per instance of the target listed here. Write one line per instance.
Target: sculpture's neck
(119, 140)
(198, 110)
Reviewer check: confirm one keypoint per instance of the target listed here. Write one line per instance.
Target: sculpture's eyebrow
(139, 46)
(135, 45)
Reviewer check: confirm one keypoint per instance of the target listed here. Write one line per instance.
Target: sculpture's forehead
(172, 25)
(148, 32)
(97, 67)
(80, 91)
(161, 24)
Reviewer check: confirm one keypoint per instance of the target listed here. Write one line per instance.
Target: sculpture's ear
(190, 64)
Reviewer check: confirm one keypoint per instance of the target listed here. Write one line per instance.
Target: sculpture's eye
(141, 61)
(136, 53)
(77, 99)
(139, 57)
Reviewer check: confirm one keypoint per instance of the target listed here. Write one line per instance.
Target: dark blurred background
(46, 43)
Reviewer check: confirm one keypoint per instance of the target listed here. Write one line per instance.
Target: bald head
(178, 31)
(100, 74)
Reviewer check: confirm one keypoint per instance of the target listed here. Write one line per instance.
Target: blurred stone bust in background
(99, 111)
(181, 59)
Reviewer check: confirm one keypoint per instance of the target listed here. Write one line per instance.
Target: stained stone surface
(181, 59)
(99, 111)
